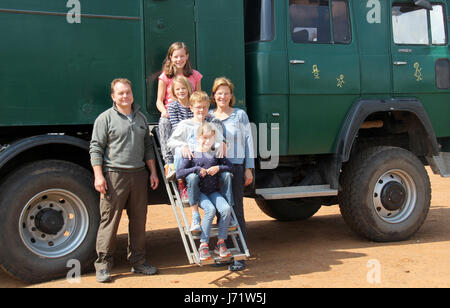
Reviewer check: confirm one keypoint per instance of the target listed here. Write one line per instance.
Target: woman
(238, 135)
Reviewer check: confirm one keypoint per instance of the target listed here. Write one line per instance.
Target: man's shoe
(103, 276)
(145, 269)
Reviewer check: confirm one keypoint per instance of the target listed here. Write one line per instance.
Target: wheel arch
(40, 147)
(416, 122)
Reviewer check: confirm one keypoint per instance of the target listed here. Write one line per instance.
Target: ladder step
(235, 254)
(213, 233)
(296, 192)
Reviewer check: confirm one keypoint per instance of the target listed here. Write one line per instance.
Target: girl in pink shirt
(175, 64)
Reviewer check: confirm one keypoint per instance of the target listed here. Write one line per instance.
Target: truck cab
(341, 82)
(307, 62)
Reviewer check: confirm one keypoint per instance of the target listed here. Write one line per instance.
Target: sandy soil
(319, 252)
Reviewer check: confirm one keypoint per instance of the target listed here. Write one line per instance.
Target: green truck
(349, 100)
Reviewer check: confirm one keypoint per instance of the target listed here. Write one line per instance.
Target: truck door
(165, 22)
(324, 77)
(420, 58)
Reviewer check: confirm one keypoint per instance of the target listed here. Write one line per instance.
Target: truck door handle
(400, 63)
(297, 61)
(405, 50)
(275, 114)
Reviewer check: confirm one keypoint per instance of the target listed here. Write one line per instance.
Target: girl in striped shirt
(178, 110)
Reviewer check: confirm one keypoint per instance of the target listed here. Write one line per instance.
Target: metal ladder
(188, 237)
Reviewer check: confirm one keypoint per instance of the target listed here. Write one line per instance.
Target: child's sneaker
(221, 250)
(183, 192)
(195, 225)
(203, 252)
(169, 171)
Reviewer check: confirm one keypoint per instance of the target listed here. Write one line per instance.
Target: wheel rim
(53, 223)
(394, 196)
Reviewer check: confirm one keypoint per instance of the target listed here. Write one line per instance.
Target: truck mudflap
(440, 164)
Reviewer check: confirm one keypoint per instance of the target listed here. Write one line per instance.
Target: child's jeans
(193, 187)
(210, 204)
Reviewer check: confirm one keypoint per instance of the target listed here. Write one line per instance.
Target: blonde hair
(223, 81)
(168, 68)
(184, 81)
(199, 96)
(117, 80)
(205, 128)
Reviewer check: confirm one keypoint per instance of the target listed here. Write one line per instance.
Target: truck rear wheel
(289, 209)
(385, 194)
(48, 215)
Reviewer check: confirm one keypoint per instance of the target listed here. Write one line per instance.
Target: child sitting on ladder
(206, 191)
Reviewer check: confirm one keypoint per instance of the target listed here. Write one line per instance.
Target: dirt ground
(319, 252)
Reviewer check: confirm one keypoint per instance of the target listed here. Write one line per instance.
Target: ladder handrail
(172, 201)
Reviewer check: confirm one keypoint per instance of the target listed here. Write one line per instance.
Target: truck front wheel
(48, 216)
(385, 194)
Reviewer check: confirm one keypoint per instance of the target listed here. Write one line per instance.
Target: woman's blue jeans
(210, 204)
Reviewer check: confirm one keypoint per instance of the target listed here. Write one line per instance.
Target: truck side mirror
(424, 4)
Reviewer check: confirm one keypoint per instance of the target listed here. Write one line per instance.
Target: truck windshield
(258, 20)
(411, 25)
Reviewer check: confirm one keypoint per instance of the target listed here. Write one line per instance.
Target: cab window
(411, 25)
(258, 18)
(437, 23)
(310, 21)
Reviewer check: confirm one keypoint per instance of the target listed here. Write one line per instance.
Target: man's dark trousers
(126, 190)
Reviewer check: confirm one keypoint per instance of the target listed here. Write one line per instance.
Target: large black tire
(289, 209)
(49, 215)
(385, 194)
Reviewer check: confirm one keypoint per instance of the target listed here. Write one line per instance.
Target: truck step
(296, 192)
(443, 163)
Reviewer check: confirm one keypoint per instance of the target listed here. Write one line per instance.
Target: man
(120, 148)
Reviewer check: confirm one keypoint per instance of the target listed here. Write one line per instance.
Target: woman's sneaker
(203, 252)
(221, 250)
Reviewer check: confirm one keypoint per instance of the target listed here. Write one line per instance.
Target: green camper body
(345, 89)
(57, 73)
